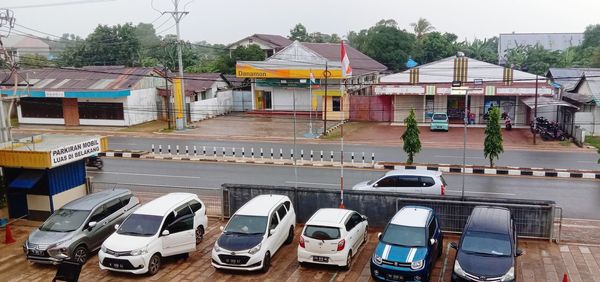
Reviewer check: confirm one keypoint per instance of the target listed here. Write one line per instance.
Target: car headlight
(103, 248)
(509, 276)
(458, 270)
(377, 259)
(216, 248)
(138, 252)
(255, 249)
(417, 265)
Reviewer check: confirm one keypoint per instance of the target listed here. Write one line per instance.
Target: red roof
(359, 62)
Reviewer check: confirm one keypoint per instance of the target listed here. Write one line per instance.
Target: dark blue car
(408, 247)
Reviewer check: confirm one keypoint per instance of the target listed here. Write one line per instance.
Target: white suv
(170, 225)
(254, 233)
(417, 181)
(332, 236)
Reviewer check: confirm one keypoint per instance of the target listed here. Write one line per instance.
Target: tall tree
(435, 46)
(226, 63)
(387, 44)
(299, 33)
(422, 27)
(492, 146)
(410, 137)
(591, 36)
(484, 50)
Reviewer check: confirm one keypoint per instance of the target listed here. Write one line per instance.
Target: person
(471, 118)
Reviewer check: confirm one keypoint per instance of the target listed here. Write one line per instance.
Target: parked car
(408, 247)
(488, 247)
(254, 233)
(439, 121)
(79, 227)
(418, 181)
(170, 225)
(332, 236)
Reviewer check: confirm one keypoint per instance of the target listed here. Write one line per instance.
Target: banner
(178, 98)
(249, 71)
(74, 152)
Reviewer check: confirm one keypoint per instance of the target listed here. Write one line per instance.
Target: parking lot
(542, 261)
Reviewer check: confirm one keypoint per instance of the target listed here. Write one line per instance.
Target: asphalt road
(535, 159)
(578, 198)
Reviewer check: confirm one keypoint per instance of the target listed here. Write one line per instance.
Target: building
(550, 41)
(286, 75)
(428, 89)
(270, 43)
(103, 96)
(19, 45)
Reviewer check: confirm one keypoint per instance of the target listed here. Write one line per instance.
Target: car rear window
(439, 117)
(322, 232)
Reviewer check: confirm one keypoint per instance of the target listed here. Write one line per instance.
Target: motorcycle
(508, 123)
(94, 161)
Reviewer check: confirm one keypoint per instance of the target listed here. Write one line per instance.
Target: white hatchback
(332, 236)
(417, 181)
(254, 233)
(170, 225)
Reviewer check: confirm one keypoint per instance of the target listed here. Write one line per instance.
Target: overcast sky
(225, 21)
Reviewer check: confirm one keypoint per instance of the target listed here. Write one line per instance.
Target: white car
(254, 233)
(332, 236)
(170, 225)
(417, 181)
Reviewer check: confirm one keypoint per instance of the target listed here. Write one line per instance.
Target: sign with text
(74, 152)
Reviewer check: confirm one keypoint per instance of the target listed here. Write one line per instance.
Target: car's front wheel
(290, 236)
(80, 255)
(199, 234)
(266, 263)
(348, 261)
(154, 264)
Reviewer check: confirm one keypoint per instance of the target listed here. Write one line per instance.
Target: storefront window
(507, 105)
(112, 111)
(41, 107)
(336, 102)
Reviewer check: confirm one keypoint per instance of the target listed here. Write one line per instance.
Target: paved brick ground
(543, 261)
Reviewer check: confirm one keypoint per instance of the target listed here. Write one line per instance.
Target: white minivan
(170, 225)
(254, 233)
(332, 236)
(417, 181)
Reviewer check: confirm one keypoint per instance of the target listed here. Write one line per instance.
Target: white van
(170, 225)
(254, 233)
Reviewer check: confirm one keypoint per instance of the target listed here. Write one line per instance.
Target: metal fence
(212, 198)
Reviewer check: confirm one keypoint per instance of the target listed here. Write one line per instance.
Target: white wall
(141, 106)
(208, 108)
(589, 121)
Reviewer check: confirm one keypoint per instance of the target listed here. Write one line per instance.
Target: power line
(59, 4)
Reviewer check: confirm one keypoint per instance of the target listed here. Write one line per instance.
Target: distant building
(550, 41)
(270, 43)
(19, 45)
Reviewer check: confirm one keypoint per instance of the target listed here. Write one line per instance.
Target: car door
(409, 184)
(428, 185)
(433, 234)
(284, 222)
(351, 233)
(97, 234)
(182, 237)
(198, 210)
(273, 240)
(388, 183)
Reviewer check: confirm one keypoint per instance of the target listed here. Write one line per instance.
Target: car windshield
(322, 232)
(140, 225)
(439, 117)
(404, 235)
(485, 243)
(373, 181)
(65, 220)
(246, 224)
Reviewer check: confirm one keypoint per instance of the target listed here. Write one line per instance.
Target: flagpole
(311, 98)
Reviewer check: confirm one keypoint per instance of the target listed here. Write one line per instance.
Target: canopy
(545, 102)
(27, 179)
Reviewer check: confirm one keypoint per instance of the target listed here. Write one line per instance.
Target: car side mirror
(453, 245)
(165, 233)
(221, 228)
(379, 235)
(116, 226)
(271, 232)
(519, 253)
(432, 241)
(375, 185)
(92, 224)
(364, 218)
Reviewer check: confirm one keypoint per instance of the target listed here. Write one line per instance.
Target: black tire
(348, 261)
(266, 263)
(154, 264)
(290, 237)
(303, 264)
(80, 254)
(199, 234)
(99, 164)
(441, 248)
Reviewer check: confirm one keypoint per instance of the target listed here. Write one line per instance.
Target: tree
(226, 63)
(483, 50)
(412, 144)
(422, 27)
(385, 43)
(435, 46)
(591, 36)
(298, 33)
(34, 61)
(492, 146)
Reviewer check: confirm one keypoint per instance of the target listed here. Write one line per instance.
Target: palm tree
(422, 27)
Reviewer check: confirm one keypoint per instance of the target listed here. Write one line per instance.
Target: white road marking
(312, 183)
(490, 193)
(457, 157)
(146, 174)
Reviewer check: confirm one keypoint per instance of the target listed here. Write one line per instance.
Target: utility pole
(326, 74)
(535, 106)
(177, 16)
(7, 19)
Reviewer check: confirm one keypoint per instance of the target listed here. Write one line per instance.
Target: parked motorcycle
(94, 161)
(508, 123)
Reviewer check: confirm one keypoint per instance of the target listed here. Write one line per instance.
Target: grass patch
(14, 122)
(349, 128)
(565, 143)
(151, 126)
(593, 141)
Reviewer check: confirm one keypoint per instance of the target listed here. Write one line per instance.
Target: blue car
(408, 247)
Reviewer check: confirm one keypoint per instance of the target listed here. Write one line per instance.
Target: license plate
(36, 252)
(233, 261)
(320, 259)
(395, 277)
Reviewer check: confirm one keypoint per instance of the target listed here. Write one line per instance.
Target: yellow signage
(248, 71)
(178, 98)
(330, 92)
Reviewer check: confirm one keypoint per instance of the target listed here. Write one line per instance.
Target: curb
(511, 171)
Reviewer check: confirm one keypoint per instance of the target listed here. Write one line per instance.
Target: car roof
(261, 205)
(163, 205)
(489, 219)
(413, 216)
(90, 201)
(329, 217)
(416, 172)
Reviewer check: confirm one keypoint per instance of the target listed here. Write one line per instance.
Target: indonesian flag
(346, 69)
(312, 77)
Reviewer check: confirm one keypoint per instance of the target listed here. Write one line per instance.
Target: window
(495, 244)
(65, 220)
(407, 236)
(287, 205)
(322, 232)
(41, 107)
(336, 103)
(247, 224)
(432, 227)
(181, 224)
(125, 200)
(354, 220)
(140, 225)
(112, 111)
(182, 211)
(99, 214)
(389, 181)
(274, 221)
(427, 181)
(112, 206)
(281, 212)
(408, 181)
(195, 205)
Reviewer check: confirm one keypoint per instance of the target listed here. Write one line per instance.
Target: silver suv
(79, 227)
